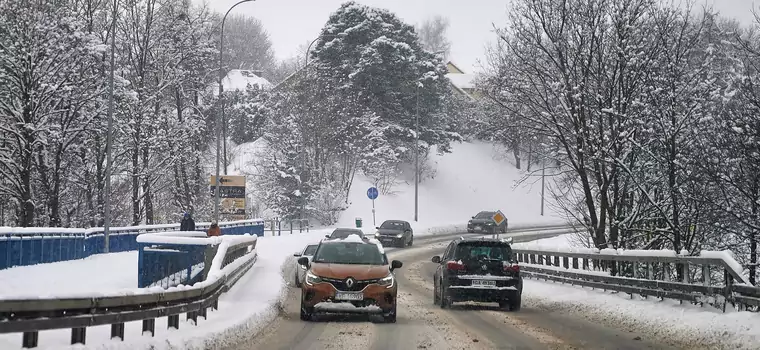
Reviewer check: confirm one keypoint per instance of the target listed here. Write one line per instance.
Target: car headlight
(302, 267)
(377, 234)
(399, 235)
(469, 222)
(312, 278)
(386, 281)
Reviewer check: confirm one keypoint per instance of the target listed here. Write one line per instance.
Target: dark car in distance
(341, 233)
(483, 222)
(479, 270)
(397, 233)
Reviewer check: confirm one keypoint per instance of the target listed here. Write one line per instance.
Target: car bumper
(481, 294)
(481, 228)
(373, 295)
(393, 240)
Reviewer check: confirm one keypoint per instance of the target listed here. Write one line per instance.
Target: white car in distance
(300, 274)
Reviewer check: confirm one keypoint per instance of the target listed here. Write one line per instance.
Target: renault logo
(350, 282)
(484, 267)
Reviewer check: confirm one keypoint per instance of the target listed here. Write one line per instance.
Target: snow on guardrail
(726, 256)
(36, 231)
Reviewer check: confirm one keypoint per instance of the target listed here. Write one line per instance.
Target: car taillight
(511, 267)
(455, 266)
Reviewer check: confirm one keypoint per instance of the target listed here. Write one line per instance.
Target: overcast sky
(291, 23)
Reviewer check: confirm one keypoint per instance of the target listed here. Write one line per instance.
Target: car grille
(341, 284)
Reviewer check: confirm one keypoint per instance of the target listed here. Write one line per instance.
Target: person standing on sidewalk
(187, 223)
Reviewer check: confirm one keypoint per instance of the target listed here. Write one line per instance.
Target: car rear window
(310, 250)
(346, 233)
(487, 250)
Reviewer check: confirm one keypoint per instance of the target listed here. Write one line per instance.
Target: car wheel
(436, 296)
(411, 240)
(306, 312)
(516, 302)
(445, 301)
(390, 315)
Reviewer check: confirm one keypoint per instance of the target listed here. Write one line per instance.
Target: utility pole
(221, 124)
(109, 136)
(543, 183)
(417, 155)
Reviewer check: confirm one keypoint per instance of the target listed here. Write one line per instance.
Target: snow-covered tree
(433, 33)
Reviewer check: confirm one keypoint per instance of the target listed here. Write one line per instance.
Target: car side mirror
(377, 227)
(473, 217)
(303, 261)
(436, 259)
(296, 254)
(327, 236)
(395, 264)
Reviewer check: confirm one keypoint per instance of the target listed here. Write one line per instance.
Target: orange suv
(350, 275)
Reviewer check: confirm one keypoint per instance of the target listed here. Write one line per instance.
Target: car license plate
(349, 296)
(483, 283)
(478, 228)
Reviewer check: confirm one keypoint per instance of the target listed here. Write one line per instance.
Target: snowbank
(704, 327)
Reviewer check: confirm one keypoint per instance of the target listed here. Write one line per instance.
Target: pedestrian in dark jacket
(187, 223)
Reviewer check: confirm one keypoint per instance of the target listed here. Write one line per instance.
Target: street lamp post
(417, 154)
(220, 123)
(109, 137)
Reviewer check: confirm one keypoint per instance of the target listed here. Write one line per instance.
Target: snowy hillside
(474, 177)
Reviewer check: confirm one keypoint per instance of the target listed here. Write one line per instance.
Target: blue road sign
(372, 193)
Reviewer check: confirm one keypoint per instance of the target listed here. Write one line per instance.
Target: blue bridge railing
(39, 245)
(172, 258)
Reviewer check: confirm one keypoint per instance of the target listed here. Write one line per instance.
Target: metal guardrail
(276, 225)
(34, 315)
(696, 279)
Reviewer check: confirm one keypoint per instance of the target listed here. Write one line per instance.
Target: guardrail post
(215, 305)
(666, 272)
(78, 335)
(706, 275)
(149, 325)
(117, 331)
(193, 316)
(202, 313)
(650, 271)
(279, 227)
(291, 227)
(30, 339)
(172, 322)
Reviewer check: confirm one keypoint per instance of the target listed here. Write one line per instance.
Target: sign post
(232, 194)
(372, 194)
(498, 218)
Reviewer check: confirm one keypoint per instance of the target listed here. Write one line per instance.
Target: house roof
(239, 79)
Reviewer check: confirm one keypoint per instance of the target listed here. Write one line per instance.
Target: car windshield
(483, 250)
(350, 253)
(345, 233)
(397, 225)
(310, 249)
(484, 215)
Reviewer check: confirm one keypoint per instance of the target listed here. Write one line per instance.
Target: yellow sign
(228, 180)
(232, 206)
(499, 217)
